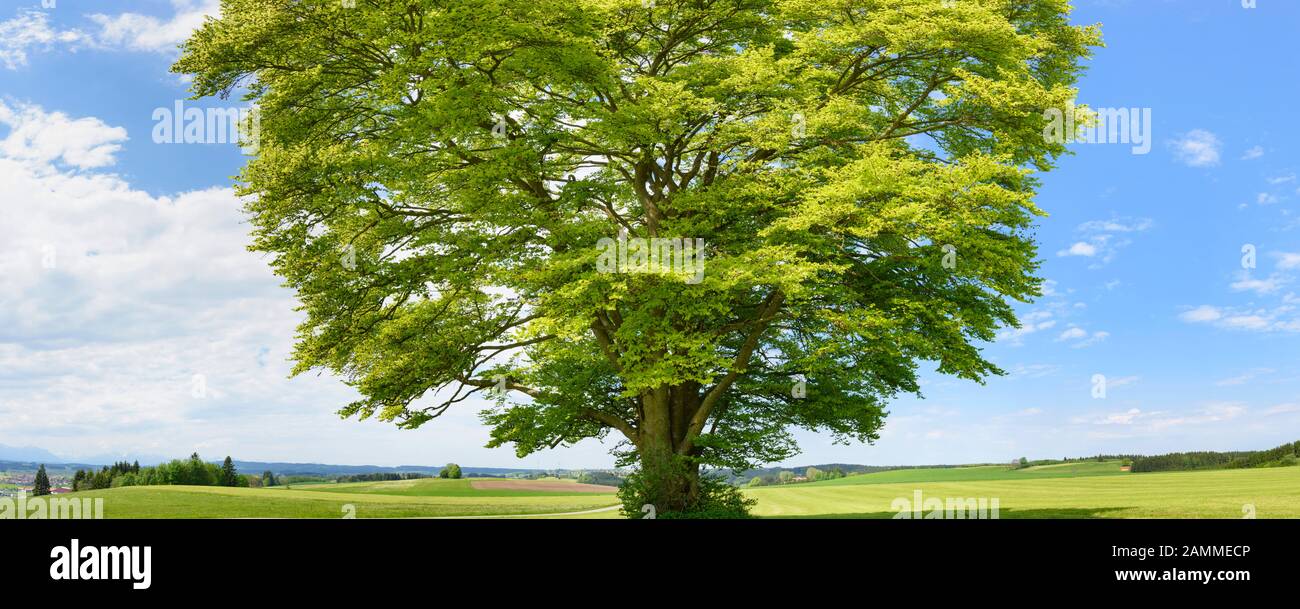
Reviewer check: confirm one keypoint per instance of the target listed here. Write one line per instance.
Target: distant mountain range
(15, 458)
(323, 469)
(26, 453)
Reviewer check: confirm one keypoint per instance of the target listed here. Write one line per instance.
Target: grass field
(1275, 493)
(979, 472)
(1085, 490)
(369, 500)
(436, 487)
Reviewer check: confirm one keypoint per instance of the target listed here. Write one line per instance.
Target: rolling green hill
(438, 487)
(978, 472)
(226, 502)
(1273, 493)
(1076, 490)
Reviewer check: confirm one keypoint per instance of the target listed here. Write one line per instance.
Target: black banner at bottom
(268, 557)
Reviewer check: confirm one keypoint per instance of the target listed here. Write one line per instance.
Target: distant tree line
(382, 477)
(191, 472)
(450, 471)
(785, 476)
(600, 478)
(1286, 454)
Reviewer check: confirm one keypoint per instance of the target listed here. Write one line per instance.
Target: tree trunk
(672, 480)
(671, 483)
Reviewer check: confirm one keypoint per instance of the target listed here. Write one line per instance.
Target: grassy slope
(217, 502)
(436, 487)
(1205, 494)
(978, 472)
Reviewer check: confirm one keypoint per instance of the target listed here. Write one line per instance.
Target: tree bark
(672, 478)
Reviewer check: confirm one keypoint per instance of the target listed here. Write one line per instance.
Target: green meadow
(979, 472)
(1048, 492)
(1079, 490)
(437, 487)
(324, 502)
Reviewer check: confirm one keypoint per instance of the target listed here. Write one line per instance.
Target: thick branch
(738, 366)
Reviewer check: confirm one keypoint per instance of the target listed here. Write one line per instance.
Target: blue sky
(123, 272)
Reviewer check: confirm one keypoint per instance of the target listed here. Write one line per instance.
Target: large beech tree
(433, 178)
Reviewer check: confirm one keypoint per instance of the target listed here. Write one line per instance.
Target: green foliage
(600, 478)
(108, 477)
(450, 471)
(41, 486)
(228, 476)
(674, 488)
(192, 472)
(1275, 457)
(434, 179)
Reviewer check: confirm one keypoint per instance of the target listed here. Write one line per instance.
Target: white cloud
(1282, 409)
(1117, 225)
(1014, 335)
(114, 299)
(1282, 318)
(1080, 248)
(35, 135)
(1287, 260)
(1072, 333)
(1103, 238)
(1198, 148)
(1095, 338)
(1121, 381)
(1031, 371)
(1202, 313)
(1156, 421)
(138, 32)
(1260, 286)
(1244, 378)
(1254, 152)
(1246, 322)
(31, 30)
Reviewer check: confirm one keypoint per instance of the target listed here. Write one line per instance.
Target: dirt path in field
(539, 485)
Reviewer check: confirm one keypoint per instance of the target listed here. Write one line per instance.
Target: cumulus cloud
(1282, 318)
(1080, 248)
(1156, 421)
(1073, 333)
(1202, 313)
(1033, 322)
(1104, 238)
(140, 324)
(1246, 283)
(48, 137)
(116, 299)
(138, 32)
(31, 30)
(1198, 148)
